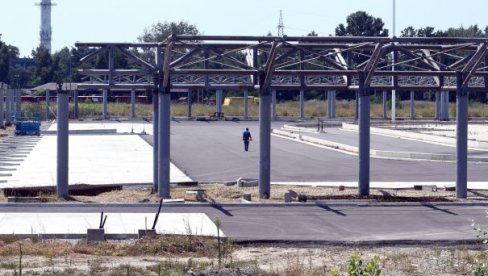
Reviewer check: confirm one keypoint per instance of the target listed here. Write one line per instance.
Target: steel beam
(461, 137)
(364, 136)
(62, 172)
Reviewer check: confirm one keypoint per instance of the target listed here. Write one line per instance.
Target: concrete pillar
(364, 136)
(133, 103)
(331, 104)
(461, 137)
(302, 104)
(356, 114)
(105, 104)
(189, 99)
(273, 106)
(62, 144)
(18, 101)
(155, 100)
(246, 104)
(218, 100)
(264, 142)
(393, 105)
(2, 110)
(438, 105)
(76, 104)
(385, 106)
(48, 103)
(164, 144)
(412, 105)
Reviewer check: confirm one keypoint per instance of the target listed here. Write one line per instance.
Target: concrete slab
(474, 185)
(94, 159)
(138, 127)
(123, 224)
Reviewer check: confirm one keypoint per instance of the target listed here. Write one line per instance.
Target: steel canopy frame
(296, 63)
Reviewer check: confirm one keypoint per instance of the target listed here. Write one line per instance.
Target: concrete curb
(375, 153)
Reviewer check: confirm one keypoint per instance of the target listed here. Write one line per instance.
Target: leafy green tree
(422, 32)
(471, 31)
(160, 31)
(7, 53)
(43, 66)
(361, 23)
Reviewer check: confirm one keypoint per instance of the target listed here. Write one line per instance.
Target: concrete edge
(319, 203)
(475, 243)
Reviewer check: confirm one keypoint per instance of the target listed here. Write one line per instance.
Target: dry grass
(233, 194)
(312, 108)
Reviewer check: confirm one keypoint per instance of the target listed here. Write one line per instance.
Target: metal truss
(290, 63)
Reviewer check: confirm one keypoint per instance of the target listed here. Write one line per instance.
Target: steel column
(331, 104)
(273, 105)
(62, 144)
(385, 101)
(444, 106)
(164, 144)
(246, 104)
(412, 105)
(364, 136)
(264, 140)
(105, 103)
(48, 111)
(461, 137)
(133, 103)
(155, 100)
(302, 107)
(76, 104)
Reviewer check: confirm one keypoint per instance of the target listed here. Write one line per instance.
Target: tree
(471, 31)
(43, 66)
(312, 33)
(160, 31)
(422, 32)
(7, 53)
(361, 23)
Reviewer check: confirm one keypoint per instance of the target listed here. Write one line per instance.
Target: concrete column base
(94, 236)
(150, 233)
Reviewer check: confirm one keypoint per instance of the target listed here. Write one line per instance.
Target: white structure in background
(46, 30)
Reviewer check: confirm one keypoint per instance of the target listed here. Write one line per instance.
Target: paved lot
(213, 151)
(333, 223)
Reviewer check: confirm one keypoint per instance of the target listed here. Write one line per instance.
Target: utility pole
(281, 27)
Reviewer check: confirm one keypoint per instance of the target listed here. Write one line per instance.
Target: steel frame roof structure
(291, 63)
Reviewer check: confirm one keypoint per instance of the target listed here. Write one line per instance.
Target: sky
(124, 20)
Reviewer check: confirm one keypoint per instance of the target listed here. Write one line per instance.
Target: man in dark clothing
(246, 137)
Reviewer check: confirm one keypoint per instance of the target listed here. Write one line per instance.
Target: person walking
(246, 137)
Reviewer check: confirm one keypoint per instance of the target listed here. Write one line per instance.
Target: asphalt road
(329, 224)
(214, 152)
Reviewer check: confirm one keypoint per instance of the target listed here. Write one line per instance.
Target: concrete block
(95, 235)
(197, 194)
(241, 182)
(141, 233)
(246, 197)
(450, 188)
(288, 198)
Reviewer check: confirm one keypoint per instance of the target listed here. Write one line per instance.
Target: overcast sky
(124, 21)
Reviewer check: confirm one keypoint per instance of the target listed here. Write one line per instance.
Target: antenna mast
(281, 27)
